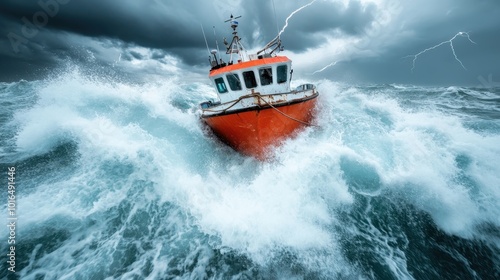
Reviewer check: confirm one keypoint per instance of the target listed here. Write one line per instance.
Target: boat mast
(235, 47)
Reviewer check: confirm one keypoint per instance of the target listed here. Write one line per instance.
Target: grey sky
(368, 39)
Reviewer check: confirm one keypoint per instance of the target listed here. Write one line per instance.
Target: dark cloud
(148, 23)
(136, 55)
(175, 24)
(328, 16)
(307, 29)
(422, 25)
(102, 32)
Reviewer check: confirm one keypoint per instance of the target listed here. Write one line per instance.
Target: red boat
(256, 109)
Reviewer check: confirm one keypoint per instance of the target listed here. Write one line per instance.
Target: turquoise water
(121, 180)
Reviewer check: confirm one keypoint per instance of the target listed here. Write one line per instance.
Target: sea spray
(122, 180)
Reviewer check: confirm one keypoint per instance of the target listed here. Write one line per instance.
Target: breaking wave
(121, 180)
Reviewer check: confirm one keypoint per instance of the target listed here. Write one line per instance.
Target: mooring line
(269, 104)
(288, 116)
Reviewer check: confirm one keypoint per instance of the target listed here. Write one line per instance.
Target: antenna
(206, 43)
(231, 18)
(216, 43)
(276, 20)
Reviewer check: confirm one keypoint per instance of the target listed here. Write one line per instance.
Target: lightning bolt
(462, 34)
(291, 15)
(324, 68)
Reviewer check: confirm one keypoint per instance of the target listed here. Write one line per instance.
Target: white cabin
(269, 75)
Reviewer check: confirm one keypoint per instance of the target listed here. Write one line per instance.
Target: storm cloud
(369, 39)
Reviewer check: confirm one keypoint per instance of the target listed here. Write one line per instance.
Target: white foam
(257, 209)
(415, 153)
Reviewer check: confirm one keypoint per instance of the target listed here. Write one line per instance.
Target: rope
(288, 116)
(269, 104)
(234, 103)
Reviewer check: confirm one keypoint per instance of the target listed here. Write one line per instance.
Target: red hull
(255, 132)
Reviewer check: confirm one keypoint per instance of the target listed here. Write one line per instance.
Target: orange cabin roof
(248, 64)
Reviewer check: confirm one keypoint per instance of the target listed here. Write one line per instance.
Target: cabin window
(282, 71)
(266, 76)
(221, 86)
(249, 78)
(234, 81)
